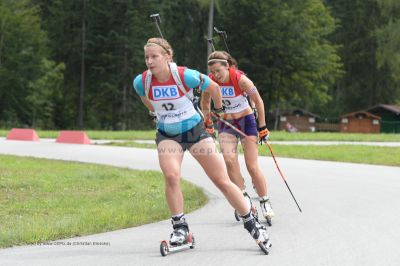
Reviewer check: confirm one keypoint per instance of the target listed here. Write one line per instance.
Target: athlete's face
(156, 59)
(220, 72)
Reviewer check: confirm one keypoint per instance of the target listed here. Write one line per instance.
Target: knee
(223, 184)
(252, 169)
(171, 179)
(230, 163)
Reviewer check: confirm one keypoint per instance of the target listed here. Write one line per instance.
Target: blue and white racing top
(175, 111)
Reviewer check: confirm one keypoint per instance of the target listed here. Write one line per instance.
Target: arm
(209, 89)
(247, 86)
(137, 84)
(147, 103)
(205, 105)
(215, 93)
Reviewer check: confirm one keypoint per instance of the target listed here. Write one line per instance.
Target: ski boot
(266, 209)
(258, 232)
(253, 208)
(180, 238)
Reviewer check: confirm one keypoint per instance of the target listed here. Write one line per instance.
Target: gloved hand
(153, 116)
(210, 128)
(263, 134)
(218, 111)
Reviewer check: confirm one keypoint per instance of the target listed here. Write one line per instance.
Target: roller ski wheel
(263, 241)
(253, 211)
(166, 248)
(265, 246)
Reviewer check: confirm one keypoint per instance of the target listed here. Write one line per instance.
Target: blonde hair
(222, 57)
(161, 43)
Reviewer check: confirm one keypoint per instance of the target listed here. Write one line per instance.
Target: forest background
(70, 64)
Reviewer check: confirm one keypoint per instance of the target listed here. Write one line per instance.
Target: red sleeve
(239, 74)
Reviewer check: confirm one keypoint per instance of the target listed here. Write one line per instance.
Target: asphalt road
(351, 215)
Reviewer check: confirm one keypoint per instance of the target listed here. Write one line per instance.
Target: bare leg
(170, 156)
(205, 152)
(229, 150)
(250, 148)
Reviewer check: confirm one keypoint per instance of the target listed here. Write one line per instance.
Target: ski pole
(211, 42)
(229, 124)
(270, 149)
(157, 20)
(280, 172)
(224, 36)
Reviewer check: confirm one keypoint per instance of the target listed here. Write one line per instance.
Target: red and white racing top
(233, 98)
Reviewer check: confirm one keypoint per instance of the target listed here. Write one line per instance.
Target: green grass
(327, 136)
(275, 136)
(340, 153)
(42, 200)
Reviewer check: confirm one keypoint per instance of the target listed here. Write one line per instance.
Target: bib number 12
(168, 106)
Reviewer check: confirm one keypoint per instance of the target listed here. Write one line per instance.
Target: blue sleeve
(192, 79)
(138, 85)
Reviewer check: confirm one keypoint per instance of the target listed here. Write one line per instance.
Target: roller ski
(166, 246)
(252, 208)
(181, 238)
(266, 210)
(258, 232)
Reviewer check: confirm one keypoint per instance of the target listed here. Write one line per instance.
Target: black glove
(263, 134)
(153, 116)
(218, 111)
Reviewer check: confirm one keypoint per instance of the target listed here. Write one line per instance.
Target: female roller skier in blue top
(180, 128)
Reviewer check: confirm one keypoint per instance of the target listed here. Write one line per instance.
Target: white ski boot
(180, 238)
(266, 209)
(252, 206)
(258, 232)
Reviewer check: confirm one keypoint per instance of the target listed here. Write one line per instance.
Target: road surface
(351, 215)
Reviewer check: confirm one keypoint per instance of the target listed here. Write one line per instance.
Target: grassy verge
(340, 153)
(42, 200)
(275, 136)
(327, 136)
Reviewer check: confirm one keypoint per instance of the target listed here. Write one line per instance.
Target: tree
(22, 49)
(284, 48)
(388, 36)
(116, 34)
(99, 48)
(368, 78)
(62, 21)
(45, 95)
(185, 27)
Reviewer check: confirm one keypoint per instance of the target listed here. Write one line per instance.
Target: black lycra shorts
(186, 139)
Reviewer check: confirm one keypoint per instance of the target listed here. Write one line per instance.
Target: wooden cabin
(390, 117)
(299, 120)
(360, 122)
